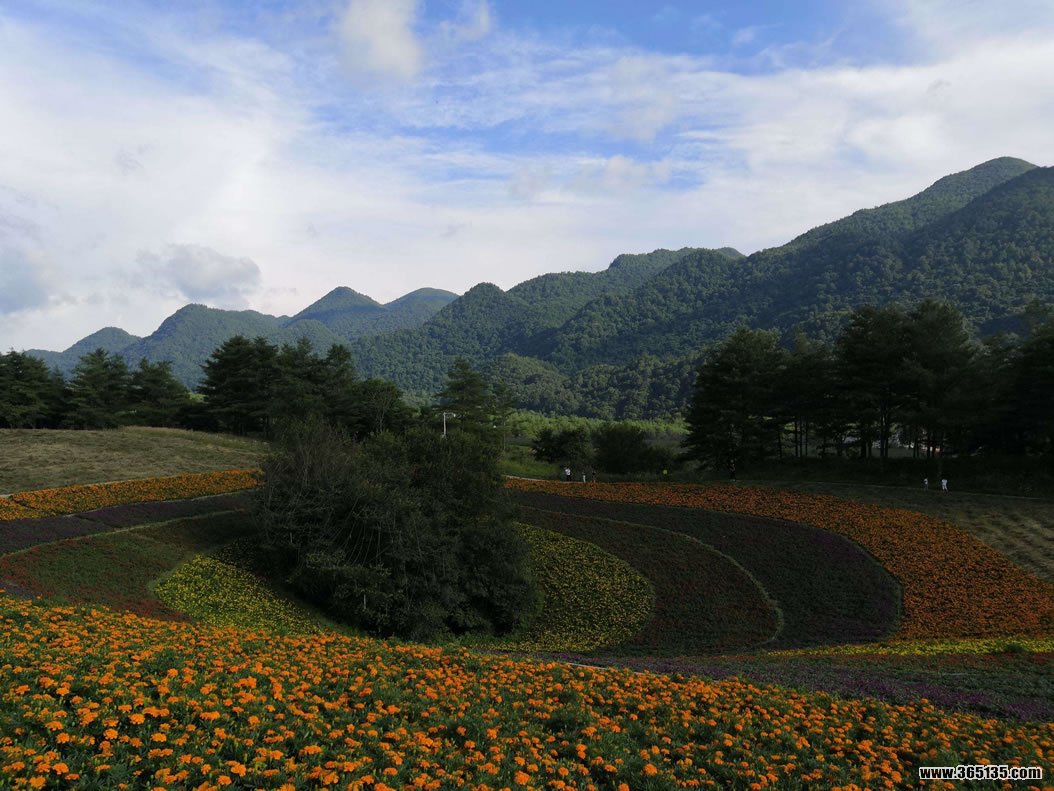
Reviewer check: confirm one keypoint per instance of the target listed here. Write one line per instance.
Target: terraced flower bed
(163, 511)
(215, 590)
(100, 698)
(9, 509)
(116, 569)
(828, 589)
(90, 497)
(592, 598)
(703, 601)
(24, 533)
(1016, 685)
(953, 585)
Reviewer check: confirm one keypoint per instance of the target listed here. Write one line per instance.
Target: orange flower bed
(88, 497)
(953, 584)
(100, 699)
(9, 509)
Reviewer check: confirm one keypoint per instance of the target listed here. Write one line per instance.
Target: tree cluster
(400, 532)
(616, 448)
(915, 378)
(102, 392)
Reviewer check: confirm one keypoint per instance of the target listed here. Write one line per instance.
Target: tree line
(249, 387)
(915, 377)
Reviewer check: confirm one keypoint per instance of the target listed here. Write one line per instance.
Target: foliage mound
(953, 585)
(592, 599)
(97, 699)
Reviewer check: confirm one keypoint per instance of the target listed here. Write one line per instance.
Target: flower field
(116, 569)
(827, 588)
(97, 698)
(704, 602)
(90, 497)
(1012, 685)
(592, 598)
(214, 590)
(952, 584)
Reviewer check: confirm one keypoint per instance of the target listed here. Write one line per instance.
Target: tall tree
(238, 386)
(25, 391)
(156, 397)
(99, 391)
(871, 352)
(731, 419)
(468, 396)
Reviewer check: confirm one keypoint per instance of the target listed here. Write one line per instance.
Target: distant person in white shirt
(944, 484)
(925, 483)
(567, 473)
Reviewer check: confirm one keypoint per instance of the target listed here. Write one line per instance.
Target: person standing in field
(567, 474)
(944, 484)
(925, 483)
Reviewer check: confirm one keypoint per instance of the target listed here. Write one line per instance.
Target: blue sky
(258, 154)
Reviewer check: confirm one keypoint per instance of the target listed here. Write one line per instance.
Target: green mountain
(982, 239)
(188, 336)
(625, 342)
(487, 322)
(112, 339)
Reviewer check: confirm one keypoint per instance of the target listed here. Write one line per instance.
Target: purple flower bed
(24, 533)
(829, 589)
(145, 513)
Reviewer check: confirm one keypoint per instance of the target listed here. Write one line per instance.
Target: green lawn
(37, 459)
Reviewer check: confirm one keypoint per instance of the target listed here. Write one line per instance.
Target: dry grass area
(1022, 528)
(40, 459)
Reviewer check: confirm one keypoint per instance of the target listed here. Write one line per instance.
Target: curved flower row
(103, 699)
(953, 585)
(88, 497)
(975, 645)
(214, 590)
(592, 598)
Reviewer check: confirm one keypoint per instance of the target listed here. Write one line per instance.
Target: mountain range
(624, 342)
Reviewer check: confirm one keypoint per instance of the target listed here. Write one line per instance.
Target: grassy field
(1022, 528)
(40, 459)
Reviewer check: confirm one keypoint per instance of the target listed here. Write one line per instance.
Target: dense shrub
(399, 534)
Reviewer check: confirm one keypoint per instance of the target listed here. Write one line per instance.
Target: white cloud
(379, 40)
(516, 155)
(474, 21)
(199, 274)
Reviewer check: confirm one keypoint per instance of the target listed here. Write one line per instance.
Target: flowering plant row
(952, 584)
(102, 699)
(704, 602)
(592, 598)
(92, 496)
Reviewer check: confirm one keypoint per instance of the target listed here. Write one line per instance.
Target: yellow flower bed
(215, 592)
(592, 598)
(88, 497)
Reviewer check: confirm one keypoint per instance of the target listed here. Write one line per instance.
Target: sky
(258, 153)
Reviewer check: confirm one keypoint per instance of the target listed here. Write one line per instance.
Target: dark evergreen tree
(99, 391)
(26, 393)
(156, 397)
(731, 417)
